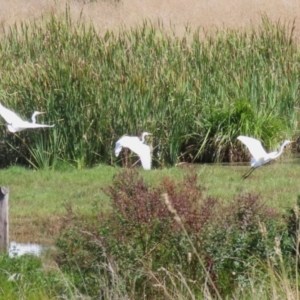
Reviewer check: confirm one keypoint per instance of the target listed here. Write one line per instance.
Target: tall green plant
(183, 90)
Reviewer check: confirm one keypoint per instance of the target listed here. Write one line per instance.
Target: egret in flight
(137, 146)
(15, 123)
(259, 155)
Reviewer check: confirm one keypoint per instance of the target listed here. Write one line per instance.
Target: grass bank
(39, 200)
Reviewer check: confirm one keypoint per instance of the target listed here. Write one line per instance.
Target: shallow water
(289, 159)
(17, 249)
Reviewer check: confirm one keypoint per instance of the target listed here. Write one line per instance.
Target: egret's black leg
(247, 174)
(135, 163)
(126, 157)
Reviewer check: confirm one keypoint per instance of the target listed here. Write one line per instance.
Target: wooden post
(4, 238)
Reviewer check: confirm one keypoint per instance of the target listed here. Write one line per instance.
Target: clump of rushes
(196, 95)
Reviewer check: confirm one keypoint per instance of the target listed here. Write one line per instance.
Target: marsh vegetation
(190, 232)
(194, 95)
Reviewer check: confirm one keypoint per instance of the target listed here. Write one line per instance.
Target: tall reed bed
(196, 95)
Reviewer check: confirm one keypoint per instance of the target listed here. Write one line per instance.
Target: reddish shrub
(137, 203)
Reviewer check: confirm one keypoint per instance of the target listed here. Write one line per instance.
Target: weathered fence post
(4, 238)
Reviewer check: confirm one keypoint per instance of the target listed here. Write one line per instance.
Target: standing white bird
(137, 146)
(15, 123)
(259, 155)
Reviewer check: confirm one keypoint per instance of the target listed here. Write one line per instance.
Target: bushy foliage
(150, 235)
(242, 237)
(186, 233)
(84, 252)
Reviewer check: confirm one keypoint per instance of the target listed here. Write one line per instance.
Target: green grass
(276, 183)
(46, 192)
(38, 199)
(28, 277)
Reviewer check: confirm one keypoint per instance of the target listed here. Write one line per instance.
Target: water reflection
(17, 249)
(285, 159)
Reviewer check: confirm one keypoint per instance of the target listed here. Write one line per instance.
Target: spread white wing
(19, 126)
(9, 116)
(127, 142)
(15, 123)
(143, 151)
(254, 146)
(135, 145)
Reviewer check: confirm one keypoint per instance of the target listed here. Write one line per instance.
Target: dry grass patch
(111, 14)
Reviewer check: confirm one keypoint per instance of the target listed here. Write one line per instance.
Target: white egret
(15, 123)
(137, 146)
(259, 155)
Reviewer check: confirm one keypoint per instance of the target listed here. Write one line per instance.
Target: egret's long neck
(143, 138)
(33, 117)
(280, 150)
(282, 147)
